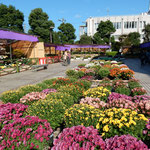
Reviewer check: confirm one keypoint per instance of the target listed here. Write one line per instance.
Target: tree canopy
(84, 39)
(56, 38)
(66, 33)
(11, 18)
(40, 25)
(104, 31)
(146, 31)
(134, 38)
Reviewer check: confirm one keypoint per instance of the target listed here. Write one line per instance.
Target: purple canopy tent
(6, 34)
(11, 35)
(88, 46)
(145, 45)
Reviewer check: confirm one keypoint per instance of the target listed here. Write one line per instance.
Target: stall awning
(144, 45)
(88, 46)
(11, 35)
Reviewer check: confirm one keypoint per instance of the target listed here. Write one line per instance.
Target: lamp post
(50, 34)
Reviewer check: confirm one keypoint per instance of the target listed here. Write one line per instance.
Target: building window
(117, 25)
(140, 24)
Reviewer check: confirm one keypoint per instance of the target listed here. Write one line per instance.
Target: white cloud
(77, 16)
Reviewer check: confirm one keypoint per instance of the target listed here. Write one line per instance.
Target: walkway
(141, 73)
(14, 81)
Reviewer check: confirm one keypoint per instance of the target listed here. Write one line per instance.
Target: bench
(36, 67)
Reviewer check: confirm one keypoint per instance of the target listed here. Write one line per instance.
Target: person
(68, 57)
(65, 63)
(142, 58)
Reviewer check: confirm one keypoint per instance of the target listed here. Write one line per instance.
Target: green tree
(104, 30)
(146, 31)
(11, 18)
(116, 46)
(67, 33)
(134, 38)
(97, 39)
(56, 38)
(40, 25)
(84, 39)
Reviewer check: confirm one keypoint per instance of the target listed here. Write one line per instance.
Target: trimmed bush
(26, 133)
(79, 137)
(123, 90)
(52, 110)
(103, 72)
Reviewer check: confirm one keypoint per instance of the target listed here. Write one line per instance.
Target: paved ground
(14, 81)
(142, 73)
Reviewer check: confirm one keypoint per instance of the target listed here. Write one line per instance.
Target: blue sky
(77, 11)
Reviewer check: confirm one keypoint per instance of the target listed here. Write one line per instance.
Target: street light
(50, 34)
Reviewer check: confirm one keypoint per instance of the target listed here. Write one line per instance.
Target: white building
(122, 24)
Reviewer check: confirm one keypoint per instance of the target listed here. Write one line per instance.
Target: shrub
(43, 86)
(29, 88)
(11, 96)
(138, 98)
(114, 95)
(81, 114)
(107, 86)
(90, 72)
(127, 74)
(49, 82)
(124, 142)
(72, 73)
(48, 91)
(119, 83)
(31, 97)
(123, 90)
(9, 111)
(138, 91)
(98, 92)
(81, 65)
(79, 137)
(122, 103)
(113, 53)
(119, 121)
(115, 72)
(146, 131)
(66, 98)
(89, 78)
(103, 72)
(95, 102)
(80, 74)
(73, 90)
(26, 133)
(52, 110)
(144, 107)
(83, 84)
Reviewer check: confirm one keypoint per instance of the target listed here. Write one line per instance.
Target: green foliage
(113, 53)
(146, 31)
(72, 74)
(52, 110)
(104, 31)
(17, 53)
(11, 18)
(81, 65)
(133, 85)
(84, 39)
(40, 25)
(80, 74)
(97, 39)
(73, 90)
(66, 33)
(134, 38)
(56, 38)
(66, 98)
(123, 90)
(116, 46)
(103, 72)
(11, 96)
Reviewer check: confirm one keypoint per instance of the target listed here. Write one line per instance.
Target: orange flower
(115, 72)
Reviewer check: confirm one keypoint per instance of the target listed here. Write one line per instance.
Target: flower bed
(70, 102)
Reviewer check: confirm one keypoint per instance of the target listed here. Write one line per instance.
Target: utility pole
(62, 20)
(24, 27)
